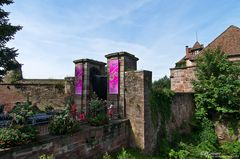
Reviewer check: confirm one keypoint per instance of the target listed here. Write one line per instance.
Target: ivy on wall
(160, 103)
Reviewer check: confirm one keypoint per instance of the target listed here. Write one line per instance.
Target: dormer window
(196, 52)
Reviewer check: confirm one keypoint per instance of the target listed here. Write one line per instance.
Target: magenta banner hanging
(113, 76)
(79, 78)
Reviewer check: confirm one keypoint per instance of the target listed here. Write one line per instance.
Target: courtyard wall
(39, 91)
(89, 143)
(181, 79)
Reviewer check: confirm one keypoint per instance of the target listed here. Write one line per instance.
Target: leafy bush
(199, 145)
(217, 86)
(16, 76)
(63, 123)
(130, 154)
(99, 119)
(231, 149)
(217, 97)
(125, 155)
(9, 137)
(22, 111)
(18, 135)
(98, 112)
(107, 156)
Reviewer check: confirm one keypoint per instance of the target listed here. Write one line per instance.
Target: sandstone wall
(39, 92)
(182, 109)
(89, 143)
(137, 97)
(227, 131)
(181, 79)
(137, 90)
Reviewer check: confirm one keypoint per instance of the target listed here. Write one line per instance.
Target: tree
(163, 83)
(7, 32)
(217, 88)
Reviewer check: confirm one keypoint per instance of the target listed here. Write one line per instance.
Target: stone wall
(137, 91)
(39, 92)
(181, 79)
(69, 85)
(227, 131)
(89, 143)
(182, 109)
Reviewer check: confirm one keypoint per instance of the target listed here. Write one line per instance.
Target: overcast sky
(56, 32)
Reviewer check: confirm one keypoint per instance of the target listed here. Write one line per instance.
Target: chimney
(187, 53)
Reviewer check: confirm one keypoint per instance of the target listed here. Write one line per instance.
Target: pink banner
(79, 79)
(113, 76)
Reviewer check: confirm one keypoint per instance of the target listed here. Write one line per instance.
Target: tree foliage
(7, 32)
(160, 104)
(160, 100)
(217, 88)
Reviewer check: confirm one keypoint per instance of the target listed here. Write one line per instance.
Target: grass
(136, 153)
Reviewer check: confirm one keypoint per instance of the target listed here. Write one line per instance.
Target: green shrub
(18, 135)
(125, 155)
(99, 119)
(201, 144)
(217, 86)
(29, 132)
(130, 154)
(63, 124)
(107, 156)
(97, 112)
(231, 149)
(217, 97)
(22, 111)
(16, 76)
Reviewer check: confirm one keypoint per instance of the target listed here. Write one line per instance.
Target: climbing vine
(160, 104)
(160, 100)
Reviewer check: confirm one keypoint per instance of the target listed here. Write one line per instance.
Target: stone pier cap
(89, 61)
(122, 53)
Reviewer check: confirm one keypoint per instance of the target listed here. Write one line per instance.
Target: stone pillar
(138, 86)
(82, 101)
(69, 85)
(127, 62)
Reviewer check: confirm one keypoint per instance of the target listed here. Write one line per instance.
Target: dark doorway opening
(98, 83)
